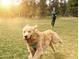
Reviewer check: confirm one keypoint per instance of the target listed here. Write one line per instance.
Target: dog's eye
(24, 31)
(29, 31)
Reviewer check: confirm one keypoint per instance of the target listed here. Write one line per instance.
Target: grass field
(12, 45)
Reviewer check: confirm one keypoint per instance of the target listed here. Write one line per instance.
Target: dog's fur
(41, 40)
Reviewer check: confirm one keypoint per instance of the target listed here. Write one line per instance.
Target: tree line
(31, 8)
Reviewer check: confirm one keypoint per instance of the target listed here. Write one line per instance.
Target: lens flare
(9, 3)
(6, 2)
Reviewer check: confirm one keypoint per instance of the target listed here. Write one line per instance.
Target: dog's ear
(35, 28)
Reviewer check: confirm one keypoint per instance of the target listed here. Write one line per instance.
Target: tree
(42, 6)
(73, 7)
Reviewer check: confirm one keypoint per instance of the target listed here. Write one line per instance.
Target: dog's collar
(34, 45)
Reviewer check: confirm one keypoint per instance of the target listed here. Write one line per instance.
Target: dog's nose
(25, 36)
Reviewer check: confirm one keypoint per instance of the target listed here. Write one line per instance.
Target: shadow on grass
(59, 56)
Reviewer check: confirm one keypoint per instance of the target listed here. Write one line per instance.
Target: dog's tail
(56, 38)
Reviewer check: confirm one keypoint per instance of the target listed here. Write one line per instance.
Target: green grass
(12, 45)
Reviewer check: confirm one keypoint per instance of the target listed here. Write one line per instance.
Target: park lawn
(12, 45)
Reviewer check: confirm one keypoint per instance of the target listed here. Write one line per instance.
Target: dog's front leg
(38, 53)
(30, 56)
(52, 46)
(29, 52)
(39, 50)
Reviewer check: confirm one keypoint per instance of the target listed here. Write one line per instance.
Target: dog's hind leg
(52, 46)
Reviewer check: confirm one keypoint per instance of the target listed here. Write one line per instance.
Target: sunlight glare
(5, 2)
(17, 2)
(9, 3)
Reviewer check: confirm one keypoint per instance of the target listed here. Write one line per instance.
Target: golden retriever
(37, 41)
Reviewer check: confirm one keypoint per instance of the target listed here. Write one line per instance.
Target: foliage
(73, 7)
(31, 9)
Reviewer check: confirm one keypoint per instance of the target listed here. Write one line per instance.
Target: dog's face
(28, 31)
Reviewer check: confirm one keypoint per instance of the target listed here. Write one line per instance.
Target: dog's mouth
(26, 37)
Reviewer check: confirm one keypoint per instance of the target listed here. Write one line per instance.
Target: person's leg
(54, 19)
(54, 22)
